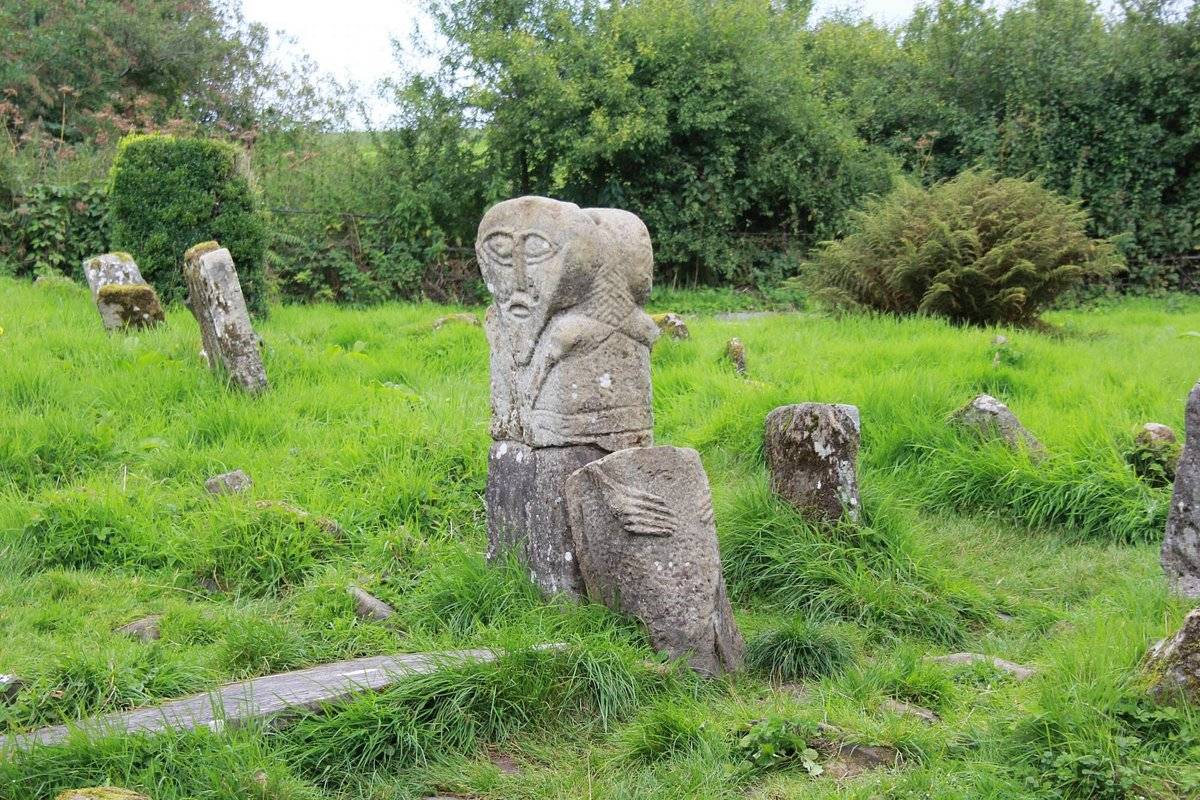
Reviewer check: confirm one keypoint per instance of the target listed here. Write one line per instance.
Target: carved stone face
(537, 256)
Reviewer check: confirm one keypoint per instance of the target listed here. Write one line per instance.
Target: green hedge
(166, 194)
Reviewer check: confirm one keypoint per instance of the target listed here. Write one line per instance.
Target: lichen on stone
(197, 250)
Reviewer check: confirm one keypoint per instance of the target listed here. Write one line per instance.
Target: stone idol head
(539, 256)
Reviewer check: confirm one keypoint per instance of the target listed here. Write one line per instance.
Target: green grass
(380, 422)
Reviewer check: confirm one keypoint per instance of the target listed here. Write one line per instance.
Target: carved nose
(519, 267)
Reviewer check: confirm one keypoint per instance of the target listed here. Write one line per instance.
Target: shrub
(166, 194)
(52, 228)
(977, 249)
(800, 650)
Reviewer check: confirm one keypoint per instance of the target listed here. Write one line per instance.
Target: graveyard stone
(673, 325)
(735, 351)
(646, 541)
(811, 451)
(1173, 665)
(989, 418)
(111, 269)
(215, 298)
(1180, 556)
(234, 482)
(132, 306)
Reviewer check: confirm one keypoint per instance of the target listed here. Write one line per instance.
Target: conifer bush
(977, 249)
(167, 193)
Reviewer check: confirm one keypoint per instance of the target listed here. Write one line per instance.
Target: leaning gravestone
(643, 529)
(812, 454)
(1181, 545)
(215, 298)
(122, 296)
(570, 364)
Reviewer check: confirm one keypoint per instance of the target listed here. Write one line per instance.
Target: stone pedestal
(527, 513)
(646, 542)
(215, 298)
(811, 451)
(1181, 545)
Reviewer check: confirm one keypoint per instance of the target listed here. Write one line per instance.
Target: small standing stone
(122, 296)
(672, 324)
(215, 298)
(1173, 665)
(812, 453)
(235, 482)
(10, 685)
(368, 606)
(735, 351)
(145, 629)
(643, 525)
(1155, 433)
(989, 418)
(1181, 545)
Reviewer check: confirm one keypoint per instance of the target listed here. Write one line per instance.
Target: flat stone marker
(1180, 556)
(811, 451)
(643, 526)
(121, 295)
(570, 365)
(215, 298)
(260, 699)
(233, 482)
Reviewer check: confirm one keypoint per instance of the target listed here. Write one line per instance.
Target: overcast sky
(351, 39)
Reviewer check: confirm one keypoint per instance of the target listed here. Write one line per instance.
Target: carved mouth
(519, 310)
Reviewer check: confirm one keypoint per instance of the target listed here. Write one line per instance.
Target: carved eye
(500, 247)
(537, 249)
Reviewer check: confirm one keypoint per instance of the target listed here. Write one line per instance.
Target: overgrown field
(379, 421)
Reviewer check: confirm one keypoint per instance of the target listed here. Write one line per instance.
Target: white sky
(351, 39)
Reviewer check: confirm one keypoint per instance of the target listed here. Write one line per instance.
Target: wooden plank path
(260, 699)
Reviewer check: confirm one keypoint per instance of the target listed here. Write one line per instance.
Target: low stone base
(527, 514)
(129, 306)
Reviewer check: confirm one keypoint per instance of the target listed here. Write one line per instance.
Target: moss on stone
(129, 305)
(197, 250)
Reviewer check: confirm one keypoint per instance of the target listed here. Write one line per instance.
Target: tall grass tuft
(800, 650)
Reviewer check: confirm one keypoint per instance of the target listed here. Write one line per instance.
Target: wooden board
(260, 699)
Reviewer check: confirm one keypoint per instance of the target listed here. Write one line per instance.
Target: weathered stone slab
(1180, 555)
(570, 343)
(991, 419)
(101, 793)
(145, 629)
(1019, 672)
(111, 269)
(1173, 665)
(811, 451)
(642, 523)
(234, 482)
(735, 351)
(134, 306)
(272, 697)
(527, 513)
(215, 298)
(368, 606)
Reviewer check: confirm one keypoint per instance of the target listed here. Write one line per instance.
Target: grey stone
(463, 319)
(570, 343)
(909, 710)
(327, 524)
(1173, 665)
(145, 629)
(735, 351)
(527, 514)
(672, 325)
(10, 686)
(1180, 555)
(811, 451)
(215, 298)
(368, 606)
(991, 419)
(1017, 671)
(234, 482)
(111, 269)
(1155, 433)
(646, 541)
(129, 306)
(101, 793)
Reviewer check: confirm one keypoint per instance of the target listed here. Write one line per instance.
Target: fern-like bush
(977, 249)
(166, 194)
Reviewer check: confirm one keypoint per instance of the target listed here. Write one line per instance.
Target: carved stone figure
(570, 364)
(215, 298)
(642, 523)
(1181, 544)
(122, 297)
(812, 454)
